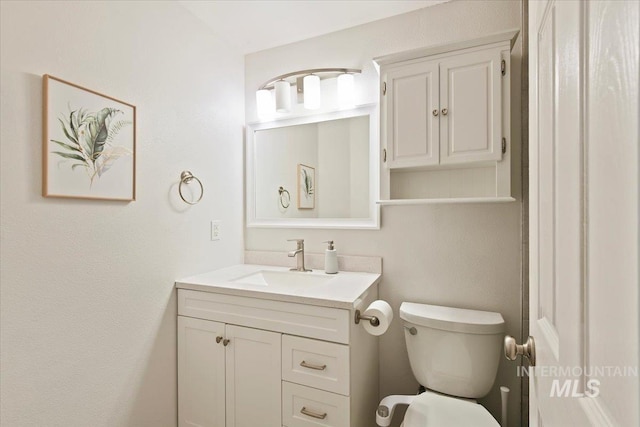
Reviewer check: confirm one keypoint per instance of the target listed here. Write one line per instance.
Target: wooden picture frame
(306, 187)
(89, 143)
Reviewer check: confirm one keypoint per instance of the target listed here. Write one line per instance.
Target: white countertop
(341, 290)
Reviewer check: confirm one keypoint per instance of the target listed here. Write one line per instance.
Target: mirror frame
(371, 222)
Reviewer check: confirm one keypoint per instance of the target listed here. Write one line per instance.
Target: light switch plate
(215, 229)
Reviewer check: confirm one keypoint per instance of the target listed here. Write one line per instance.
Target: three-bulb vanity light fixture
(307, 84)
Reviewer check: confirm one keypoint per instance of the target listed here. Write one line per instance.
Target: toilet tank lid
(452, 319)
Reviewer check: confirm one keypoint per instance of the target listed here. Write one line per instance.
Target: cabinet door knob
(218, 339)
(435, 113)
(444, 111)
(225, 342)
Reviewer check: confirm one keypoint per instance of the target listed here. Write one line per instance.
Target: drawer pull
(309, 413)
(311, 366)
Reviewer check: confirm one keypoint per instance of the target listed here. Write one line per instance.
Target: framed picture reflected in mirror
(306, 187)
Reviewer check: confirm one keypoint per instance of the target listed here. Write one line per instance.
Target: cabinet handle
(444, 111)
(309, 413)
(384, 155)
(225, 342)
(218, 339)
(304, 364)
(435, 113)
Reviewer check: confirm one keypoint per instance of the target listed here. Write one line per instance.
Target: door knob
(445, 111)
(218, 339)
(435, 113)
(512, 350)
(225, 342)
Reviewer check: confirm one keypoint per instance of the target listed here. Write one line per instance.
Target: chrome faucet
(300, 252)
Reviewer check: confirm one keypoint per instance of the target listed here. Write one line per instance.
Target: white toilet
(454, 353)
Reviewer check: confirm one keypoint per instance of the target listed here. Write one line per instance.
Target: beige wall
(458, 255)
(87, 299)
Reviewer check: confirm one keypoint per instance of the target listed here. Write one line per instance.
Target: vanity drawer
(325, 323)
(308, 407)
(318, 364)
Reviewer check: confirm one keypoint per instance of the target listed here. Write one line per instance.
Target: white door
(201, 376)
(471, 107)
(583, 163)
(254, 390)
(412, 128)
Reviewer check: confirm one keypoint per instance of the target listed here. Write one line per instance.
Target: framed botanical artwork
(89, 143)
(306, 187)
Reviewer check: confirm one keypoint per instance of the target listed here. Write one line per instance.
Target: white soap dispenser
(330, 259)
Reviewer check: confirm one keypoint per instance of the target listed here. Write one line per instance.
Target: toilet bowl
(454, 353)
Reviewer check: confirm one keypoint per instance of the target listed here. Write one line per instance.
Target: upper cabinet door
(412, 128)
(470, 107)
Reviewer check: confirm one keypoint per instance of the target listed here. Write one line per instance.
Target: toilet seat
(434, 410)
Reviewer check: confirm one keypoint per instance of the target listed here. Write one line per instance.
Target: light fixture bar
(323, 73)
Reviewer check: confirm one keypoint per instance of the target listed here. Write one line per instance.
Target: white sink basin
(342, 290)
(284, 279)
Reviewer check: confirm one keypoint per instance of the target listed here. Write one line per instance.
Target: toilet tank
(452, 350)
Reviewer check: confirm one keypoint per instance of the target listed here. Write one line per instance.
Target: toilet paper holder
(372, 319)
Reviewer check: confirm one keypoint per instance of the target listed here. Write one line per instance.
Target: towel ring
(281, 192)
(185, 178)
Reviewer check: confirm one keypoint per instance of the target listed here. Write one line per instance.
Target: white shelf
(445, 201)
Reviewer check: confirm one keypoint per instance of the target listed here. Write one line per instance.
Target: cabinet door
(470, 107)
(412, 128)
(254, 396)
(201, 376)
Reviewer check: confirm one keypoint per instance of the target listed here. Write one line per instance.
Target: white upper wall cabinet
(471, 107)
(445, 121)
(413, 134)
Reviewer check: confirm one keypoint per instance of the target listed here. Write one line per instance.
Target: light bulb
(346, 92)
(311, 92)
(264, 103)
(283, 96)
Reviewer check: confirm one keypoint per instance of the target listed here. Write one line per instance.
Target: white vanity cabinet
(445, 120)
(228, 375)
(201, 373)
(247, 361)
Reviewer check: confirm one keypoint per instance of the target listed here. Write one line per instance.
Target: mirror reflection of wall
(338, 150)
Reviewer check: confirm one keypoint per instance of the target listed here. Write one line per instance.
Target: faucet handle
(300, 242)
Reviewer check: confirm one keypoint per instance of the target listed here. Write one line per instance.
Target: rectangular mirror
(316, 171)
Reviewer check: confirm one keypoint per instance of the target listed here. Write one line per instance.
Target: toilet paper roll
(383, 311)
